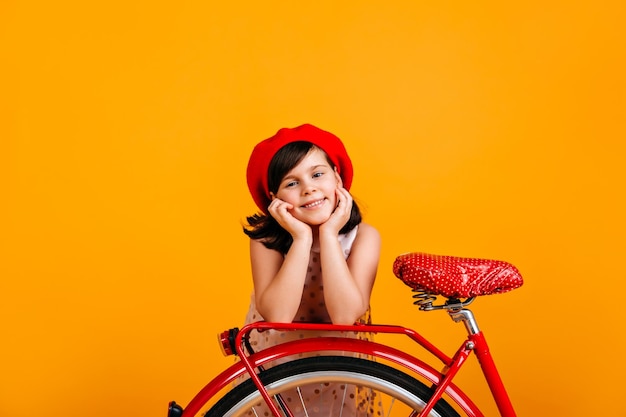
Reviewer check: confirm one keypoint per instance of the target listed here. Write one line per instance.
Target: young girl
(312, 258)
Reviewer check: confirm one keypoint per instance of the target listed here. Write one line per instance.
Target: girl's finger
(344, 197)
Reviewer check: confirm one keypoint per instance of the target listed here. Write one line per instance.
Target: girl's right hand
(279, 210)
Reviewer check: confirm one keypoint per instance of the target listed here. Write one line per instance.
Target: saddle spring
(423, 299)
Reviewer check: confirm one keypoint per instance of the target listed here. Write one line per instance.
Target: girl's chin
(314, 219)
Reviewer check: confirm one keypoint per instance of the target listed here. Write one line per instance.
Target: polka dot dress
(330, 398)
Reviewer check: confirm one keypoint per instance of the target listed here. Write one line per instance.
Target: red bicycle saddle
(456, 277)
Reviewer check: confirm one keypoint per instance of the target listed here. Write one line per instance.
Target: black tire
(393, 386)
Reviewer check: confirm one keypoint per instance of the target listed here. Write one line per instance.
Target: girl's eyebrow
(290, 177)
(313, 168)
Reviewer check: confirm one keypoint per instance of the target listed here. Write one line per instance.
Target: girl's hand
(342, 212)
(279, 210)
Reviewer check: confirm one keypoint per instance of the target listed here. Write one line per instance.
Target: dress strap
(346, 240)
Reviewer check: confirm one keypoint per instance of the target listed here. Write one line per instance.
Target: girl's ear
(339, 180)
(272, 196)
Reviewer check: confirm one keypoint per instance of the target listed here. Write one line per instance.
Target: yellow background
(487, 129)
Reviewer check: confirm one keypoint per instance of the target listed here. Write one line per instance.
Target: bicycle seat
(456, 277)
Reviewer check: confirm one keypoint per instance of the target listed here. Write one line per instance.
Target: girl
(312, 258)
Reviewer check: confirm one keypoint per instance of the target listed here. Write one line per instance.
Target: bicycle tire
(394, 386)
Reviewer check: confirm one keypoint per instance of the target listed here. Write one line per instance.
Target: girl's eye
(318, 174)
(291, 184)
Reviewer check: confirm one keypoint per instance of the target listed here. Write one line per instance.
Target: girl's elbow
(274, 312)
(343, 321)
(348, 318)
(278, 318)
(274, 316)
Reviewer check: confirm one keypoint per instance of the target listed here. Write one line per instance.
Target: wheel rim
(397, 401)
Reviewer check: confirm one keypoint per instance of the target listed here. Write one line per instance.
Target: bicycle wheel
(395, 393)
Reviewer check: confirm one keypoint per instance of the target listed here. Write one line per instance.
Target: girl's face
(311, 188)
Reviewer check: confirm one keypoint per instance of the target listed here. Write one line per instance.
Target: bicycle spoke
(343, 400)
(306, 414)
(393, 400)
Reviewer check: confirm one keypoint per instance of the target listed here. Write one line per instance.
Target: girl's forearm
(281, 299)
(343, 298)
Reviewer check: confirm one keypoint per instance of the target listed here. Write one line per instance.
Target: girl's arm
(348, 283)
(278, 280)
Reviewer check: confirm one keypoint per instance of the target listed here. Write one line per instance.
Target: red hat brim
(263, 152)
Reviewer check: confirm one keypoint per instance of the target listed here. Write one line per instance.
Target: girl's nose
(308, 188)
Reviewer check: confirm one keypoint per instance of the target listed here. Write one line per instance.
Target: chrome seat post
(467, 317)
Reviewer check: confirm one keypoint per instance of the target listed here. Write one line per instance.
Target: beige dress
(329, 399)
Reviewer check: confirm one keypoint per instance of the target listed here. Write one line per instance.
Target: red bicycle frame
(441, 380)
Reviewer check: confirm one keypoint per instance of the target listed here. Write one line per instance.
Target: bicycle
(406, 385)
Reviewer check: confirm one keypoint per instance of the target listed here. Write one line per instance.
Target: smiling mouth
(314, 204)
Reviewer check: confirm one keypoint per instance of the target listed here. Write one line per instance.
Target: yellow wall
(488, 129)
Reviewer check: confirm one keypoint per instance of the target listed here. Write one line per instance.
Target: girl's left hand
(342, 212)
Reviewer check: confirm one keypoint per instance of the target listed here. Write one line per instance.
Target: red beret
(264, 151)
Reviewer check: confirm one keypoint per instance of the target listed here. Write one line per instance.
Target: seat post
(466, 316)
